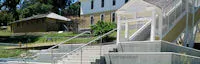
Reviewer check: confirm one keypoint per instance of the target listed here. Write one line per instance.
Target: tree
(73, 10)
(6, 17)
(57, 5)
(102, 27)
(35, 9)
(11, 5)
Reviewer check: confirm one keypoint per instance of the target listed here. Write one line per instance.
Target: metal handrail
(61, 43)
(79, 48)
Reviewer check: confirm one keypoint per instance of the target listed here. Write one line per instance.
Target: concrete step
(150, 58)
(139, 46)
(84, 56)
(47, 57)
(74, 62)
(88, 54)
(78, 59)
(156, 46)
(17, 62)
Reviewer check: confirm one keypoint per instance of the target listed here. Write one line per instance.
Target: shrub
(102, 27)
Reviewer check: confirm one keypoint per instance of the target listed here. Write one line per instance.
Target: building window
(102, 17)
(92, 4)
(102, 3)
(114, 2)
(126, 1)
(92, 20)
(113, 17)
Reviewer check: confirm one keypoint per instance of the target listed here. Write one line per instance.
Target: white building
(96, 10)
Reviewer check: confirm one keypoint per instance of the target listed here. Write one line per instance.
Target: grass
(42, 42)
(197, 38)
(5, 33)
(50, 38)
(16, 52)
(4, 53)
(65, 34)
(47, 38)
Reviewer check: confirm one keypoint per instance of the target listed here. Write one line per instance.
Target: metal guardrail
(140, 30)
(49, 49)
(81, 47)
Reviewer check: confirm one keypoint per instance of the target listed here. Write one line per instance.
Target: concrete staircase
(88, 55)
(152, 52)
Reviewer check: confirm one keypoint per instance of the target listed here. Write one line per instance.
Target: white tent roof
(135, 6)
(165, 5)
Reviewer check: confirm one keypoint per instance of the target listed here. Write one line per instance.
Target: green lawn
(64, 34)
(49, 39)
(4, 53)
(44, 39)
(5, 33)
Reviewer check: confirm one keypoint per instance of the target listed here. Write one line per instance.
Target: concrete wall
(170, 47)
(139, 46)
(184, 59)
(156, 46)
(138, 58)
(150, 58)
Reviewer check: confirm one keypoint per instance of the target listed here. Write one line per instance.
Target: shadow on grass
(17, 39)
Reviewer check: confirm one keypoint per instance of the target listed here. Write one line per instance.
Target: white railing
(85, 45)
(50, 49)
(140, 30)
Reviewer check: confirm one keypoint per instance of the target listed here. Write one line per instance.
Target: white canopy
(135, 6)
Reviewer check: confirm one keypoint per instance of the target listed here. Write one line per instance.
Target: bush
(101, 28)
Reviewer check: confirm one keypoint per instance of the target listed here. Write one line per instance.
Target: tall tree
(34, 9)
(73, 10)
(11, 5)
(6, 17)
(58, 5)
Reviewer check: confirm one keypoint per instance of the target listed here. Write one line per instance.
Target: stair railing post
(52, 57)
(81, 55)
(100, 46)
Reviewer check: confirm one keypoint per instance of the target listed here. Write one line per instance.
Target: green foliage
(10, 53)
(73, 10)
(26, 8)
(6, 17)
(11, 6)
(102, 27)
(35, 9)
